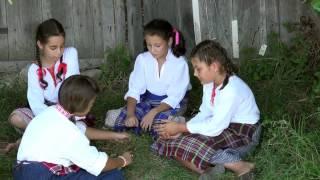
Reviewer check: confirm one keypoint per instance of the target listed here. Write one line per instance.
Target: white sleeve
(137, 81)
(85, 156)
(82, 126)
(216, 123)
(35, 93)
(72, 61)
(178, 87)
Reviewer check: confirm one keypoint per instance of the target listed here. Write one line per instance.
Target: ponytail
(178, 43)
(40, 72)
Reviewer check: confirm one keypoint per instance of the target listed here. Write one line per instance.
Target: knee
(16, 120)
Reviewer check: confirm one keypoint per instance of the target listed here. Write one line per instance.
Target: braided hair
(45, 30)
(209, 51)
(164, 29)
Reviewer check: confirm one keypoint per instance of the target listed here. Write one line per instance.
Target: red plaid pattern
(59, 169)
(199, 149)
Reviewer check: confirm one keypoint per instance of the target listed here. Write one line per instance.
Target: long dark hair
(45, 30)
(209, 51)
(164, 29)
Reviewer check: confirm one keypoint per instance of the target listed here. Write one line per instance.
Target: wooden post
(196, 21)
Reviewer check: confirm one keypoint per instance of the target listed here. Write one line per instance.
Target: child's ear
(215, 66)
(39, 45)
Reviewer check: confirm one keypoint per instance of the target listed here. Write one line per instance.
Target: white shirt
(235, 103)
(36, 94)
(172, 80)
(53, 138)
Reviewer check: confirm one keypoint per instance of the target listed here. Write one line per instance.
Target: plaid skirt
(200, 150)
(147, 102)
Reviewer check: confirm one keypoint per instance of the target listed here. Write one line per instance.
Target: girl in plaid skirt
(226, 126)
(159, 81)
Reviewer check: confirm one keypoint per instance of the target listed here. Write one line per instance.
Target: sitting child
(158, 82)
(227, 125)
(53, 147)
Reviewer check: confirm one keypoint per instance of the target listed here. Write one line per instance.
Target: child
(53, 147)
(226, 124)
(54, 64)
(159, 81)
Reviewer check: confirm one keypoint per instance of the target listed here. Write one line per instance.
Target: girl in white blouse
(227, 125)
(54, 63)
(159, 81)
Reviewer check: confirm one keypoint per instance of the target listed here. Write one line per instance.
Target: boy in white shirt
(53, 147)
(225, 129)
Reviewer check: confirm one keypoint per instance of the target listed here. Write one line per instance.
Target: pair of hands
(168, 129)
(146, 122)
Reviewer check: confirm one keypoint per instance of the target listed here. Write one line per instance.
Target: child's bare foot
(240, 168)
(246, 168)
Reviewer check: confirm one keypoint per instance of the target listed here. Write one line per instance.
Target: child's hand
(167, 129)
(147, 120)
(122, 136)
(129, 157)
(131, 121)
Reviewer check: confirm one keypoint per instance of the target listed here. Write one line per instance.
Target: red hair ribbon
(62, 68)
(41, 72)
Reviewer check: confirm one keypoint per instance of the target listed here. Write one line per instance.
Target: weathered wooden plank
(262, 23)
(272, 16)
(247, 12)
(83, 28)
(148, 13)
(108, 24)
(4, 46)
(97, 28)
(62, 11)
(164, 9)
(24, 16)
(289, 12)
(185, 24)
(216, 17)
(135, 27)
(120, 22)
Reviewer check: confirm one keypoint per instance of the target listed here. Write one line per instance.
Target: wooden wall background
(93, 26)
(256, 19)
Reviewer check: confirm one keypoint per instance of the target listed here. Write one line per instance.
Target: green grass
(290, 112)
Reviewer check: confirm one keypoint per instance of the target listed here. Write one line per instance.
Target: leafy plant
(116, 68)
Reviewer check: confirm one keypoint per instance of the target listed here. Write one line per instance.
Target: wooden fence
(93, 26)
(256, 19)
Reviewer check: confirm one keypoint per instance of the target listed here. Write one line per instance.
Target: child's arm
(121, 161)
(97, 134)
(167, 128)
(147, 120)
(131, 120)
